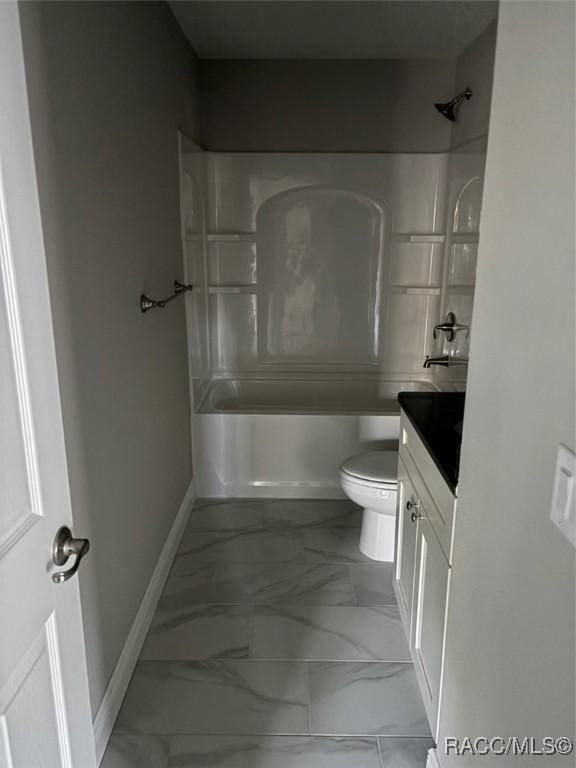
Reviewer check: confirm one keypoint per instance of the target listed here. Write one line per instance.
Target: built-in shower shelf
(468, 238)
(231, 237)
(232, 289)
(416, 291)
(460, 289)
(407, 237)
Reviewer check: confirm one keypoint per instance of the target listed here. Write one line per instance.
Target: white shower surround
(278, 426)
(409, 191)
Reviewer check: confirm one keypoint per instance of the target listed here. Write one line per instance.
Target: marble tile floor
(276, 644)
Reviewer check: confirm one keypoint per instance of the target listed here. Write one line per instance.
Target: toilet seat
(377, 469)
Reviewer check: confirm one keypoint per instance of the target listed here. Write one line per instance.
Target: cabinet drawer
(429, 483)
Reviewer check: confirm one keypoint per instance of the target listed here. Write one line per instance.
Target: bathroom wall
(325, 106)
(286, 290)
(109, 86)
(475, 70)
(510, 639)
(467, 159)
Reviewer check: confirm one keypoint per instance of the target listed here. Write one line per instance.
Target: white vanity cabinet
(426, 506)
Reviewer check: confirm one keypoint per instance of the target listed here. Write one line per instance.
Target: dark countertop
(437, 417)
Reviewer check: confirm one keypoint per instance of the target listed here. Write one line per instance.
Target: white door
(44, 706)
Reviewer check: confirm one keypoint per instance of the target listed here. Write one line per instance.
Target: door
(44, 706)
(429, 615)
(406, 547)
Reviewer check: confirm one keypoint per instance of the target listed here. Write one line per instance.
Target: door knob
(64, 546)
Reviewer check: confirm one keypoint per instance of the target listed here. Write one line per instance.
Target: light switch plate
(563, 512)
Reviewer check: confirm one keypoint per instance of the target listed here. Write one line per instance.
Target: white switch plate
(563, 512)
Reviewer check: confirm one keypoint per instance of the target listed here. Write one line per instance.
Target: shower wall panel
(464, 204)
(193, 221)
(324, 262)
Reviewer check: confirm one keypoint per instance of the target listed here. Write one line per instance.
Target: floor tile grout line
(268, 604)
(309, 692)
(291, 561)
(252, 629)
(273, 660)
(323, 735)
(232, 604)
(380, 758)
(279, 604)
(280, 734)
(248, 660)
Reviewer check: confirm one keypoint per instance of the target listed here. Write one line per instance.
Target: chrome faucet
(445, 360)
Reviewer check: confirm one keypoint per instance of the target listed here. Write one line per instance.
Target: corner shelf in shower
(232, 289)
(231, 237)
(424, 290)
(463, 289)
(467, 238)
(416, 237)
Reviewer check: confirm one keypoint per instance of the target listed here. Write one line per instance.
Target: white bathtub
(287, 438)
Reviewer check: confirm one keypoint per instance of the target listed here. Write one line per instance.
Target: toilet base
(377, 536)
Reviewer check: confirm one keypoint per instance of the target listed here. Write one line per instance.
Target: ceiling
(332, 29)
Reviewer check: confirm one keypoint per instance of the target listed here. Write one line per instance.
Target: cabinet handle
(414, 505)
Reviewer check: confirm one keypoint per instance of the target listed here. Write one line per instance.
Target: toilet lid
(376, 467)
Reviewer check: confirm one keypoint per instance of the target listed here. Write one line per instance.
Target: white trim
(273, 489)
(18, 355)
(58, 691)
(116, 689)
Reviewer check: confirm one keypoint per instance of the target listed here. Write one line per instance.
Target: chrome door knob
(63, 547)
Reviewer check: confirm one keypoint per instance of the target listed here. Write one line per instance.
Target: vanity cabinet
(425, 516)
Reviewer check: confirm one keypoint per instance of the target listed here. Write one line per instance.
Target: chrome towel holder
(147, 303)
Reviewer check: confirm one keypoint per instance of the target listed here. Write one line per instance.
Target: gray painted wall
(475, 69)
(325, 106)
(110, 84)
(510, 648)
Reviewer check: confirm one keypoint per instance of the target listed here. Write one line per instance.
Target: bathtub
(287, 437)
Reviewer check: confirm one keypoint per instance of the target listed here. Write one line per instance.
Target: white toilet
(370, 480)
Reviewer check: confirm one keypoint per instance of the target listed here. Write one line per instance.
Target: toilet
(370, 480)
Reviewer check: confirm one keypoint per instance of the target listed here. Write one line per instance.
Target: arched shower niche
(320, 273)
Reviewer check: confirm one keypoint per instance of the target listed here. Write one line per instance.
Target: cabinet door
(429, 615)
(406, 545)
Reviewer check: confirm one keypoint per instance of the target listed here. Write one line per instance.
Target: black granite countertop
(437, 417)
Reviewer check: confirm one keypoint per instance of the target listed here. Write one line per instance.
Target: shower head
(447, 108)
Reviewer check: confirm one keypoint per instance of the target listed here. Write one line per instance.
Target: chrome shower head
(447, 108)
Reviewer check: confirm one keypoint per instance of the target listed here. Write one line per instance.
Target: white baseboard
(116, 689)
(280, 489)
(432, 760)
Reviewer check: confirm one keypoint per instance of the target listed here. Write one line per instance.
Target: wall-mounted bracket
(147, 303)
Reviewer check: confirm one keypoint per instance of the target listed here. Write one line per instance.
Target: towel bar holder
(147, 303)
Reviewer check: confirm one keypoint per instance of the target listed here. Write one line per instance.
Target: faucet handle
(450, 327)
